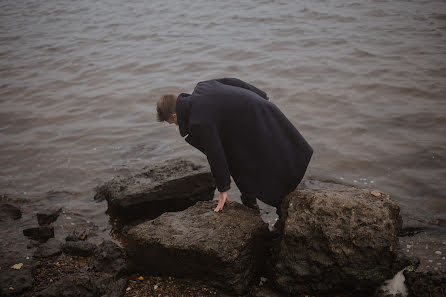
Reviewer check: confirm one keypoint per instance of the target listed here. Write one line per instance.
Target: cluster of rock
(101, 277)
(331, 240)
(173, 185)
(337, 240)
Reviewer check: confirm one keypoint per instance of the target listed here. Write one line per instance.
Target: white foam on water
(396, 285)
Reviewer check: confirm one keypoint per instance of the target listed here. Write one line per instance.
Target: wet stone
(172, 185)
(41, 234)
(109, 257)
(225, 249)
(9, 211)
(336, 240)
(52, 247)
(78, 248)
(80, 234)
(47, 217)
(425, 284)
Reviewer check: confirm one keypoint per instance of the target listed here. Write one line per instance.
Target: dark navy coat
(245, 136)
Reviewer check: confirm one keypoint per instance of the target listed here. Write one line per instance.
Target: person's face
(173, 119)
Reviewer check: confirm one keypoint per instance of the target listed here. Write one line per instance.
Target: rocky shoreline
(341, 241)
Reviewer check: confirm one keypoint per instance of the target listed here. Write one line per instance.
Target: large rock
(225, 249)
(336, 240)
(169, 186)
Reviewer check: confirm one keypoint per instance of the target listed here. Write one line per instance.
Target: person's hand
(221, 201)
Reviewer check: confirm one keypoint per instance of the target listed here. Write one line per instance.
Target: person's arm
(241, 84)
(209, 139)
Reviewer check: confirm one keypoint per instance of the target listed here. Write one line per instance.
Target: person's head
(166, 109)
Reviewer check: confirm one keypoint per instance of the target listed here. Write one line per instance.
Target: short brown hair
(166, 106)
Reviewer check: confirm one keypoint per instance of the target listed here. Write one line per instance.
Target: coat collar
(182, 108)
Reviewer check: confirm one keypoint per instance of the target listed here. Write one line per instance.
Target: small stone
(17, 266)
(376, 193)
(42, 233)
(78, 248)
(47, 217)
(438, 253)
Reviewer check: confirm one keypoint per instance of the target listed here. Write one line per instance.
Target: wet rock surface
(15, 281)
(78, 248)
(48, 217)
(9, 212)
(336, 240)
(224, 249)
(52, 247)
(48, 271)
(110, 257)
(41, 234)
(172, 185)
(425, 284)
(86, 285)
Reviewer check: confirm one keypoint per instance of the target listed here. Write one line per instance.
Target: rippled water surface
(363, 81)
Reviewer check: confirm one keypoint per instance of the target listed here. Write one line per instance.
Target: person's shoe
(253, 206)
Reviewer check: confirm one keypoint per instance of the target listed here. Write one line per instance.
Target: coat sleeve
(209, 140)
(241, 84)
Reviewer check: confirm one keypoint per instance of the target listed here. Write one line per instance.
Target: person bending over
(243, 135)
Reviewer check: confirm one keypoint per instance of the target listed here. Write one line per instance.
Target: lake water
(363, 81)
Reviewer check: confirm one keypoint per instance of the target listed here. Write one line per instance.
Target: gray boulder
(225, 249)
(335, 241)
(172, 185)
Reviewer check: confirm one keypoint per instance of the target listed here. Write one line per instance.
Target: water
(364, 82)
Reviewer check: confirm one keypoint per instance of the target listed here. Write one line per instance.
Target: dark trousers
(250, 201)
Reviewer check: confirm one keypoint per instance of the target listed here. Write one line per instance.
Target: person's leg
(249, 200)
(278, 226)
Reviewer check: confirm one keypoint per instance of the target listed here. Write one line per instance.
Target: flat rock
(78, 248)
(172, 185)
(341, 240)
(225, 249)
(9, 211)
(42, 233)
(47, 217)
(52, 247)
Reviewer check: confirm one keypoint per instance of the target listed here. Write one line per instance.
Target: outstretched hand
(221, 201)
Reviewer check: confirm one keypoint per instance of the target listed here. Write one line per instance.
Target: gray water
(363, 81)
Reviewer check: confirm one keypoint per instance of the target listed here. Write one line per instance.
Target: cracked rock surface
(225, 249)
